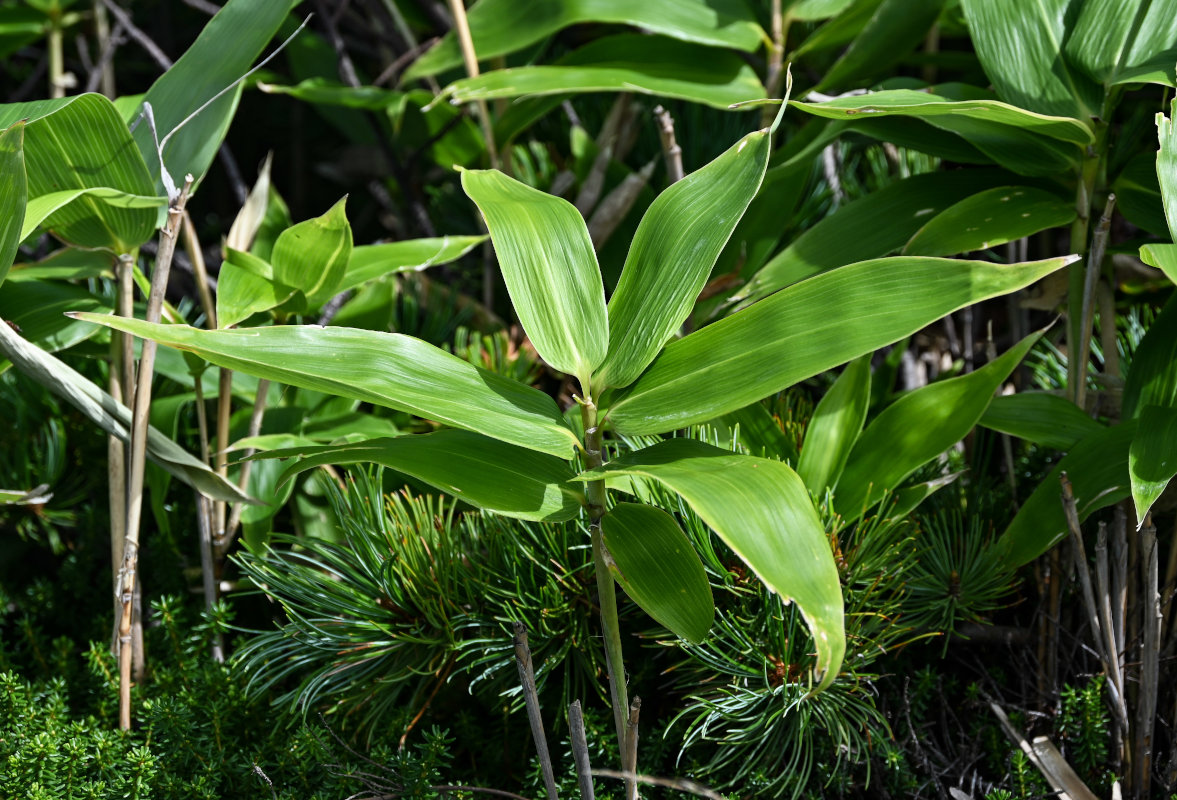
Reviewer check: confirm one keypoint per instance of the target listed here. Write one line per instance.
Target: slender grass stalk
(531, 698)
(1099, 243)
(466, 42)
(56, 60)
(580, 752)
(102, 32)
(1150, 651)
(255, 427)
(196, 255)
(140, 415)
(220, 454)
(629, 755)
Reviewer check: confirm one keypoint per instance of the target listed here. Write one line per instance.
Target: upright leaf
(894, 30)
(1152, 377)
(311, 257)
(481, 471)
(761, 510)
(658, 568)
(222, 53)
(918, 427)
(1098, 469)
(12, 199)
(1152, 457)
(373, 261)
(549, 267)
(388, 369)
(499, 27)
(1020, 45)
(806, 329)
(673, 251)
(1167, 166)
(835, 424)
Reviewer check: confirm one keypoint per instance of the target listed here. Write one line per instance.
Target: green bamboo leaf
(918, 427)
(59, 159)
(549, 267)
(930, 105)
(1045, 419)
(1113, 40)
(12, 199)
(38, 307)
(894, 30)
(373, 261)
(672, 253)
(311, 257)
(1152, 457)
(246, 286)
(1161, 256)
(1159, 71)
(650, 65)
(1020, 45)
(387, 369)
(1167, 166)
(223, 52)
(322, 91)
(112, 416)
(812, 10)
(760, 509)
(1138, 194)
(872, 226)
(1152, 377)
(658, 568)
(841, 30)
(41, 208)
(481, 471)
(990, 218)
(498, 27)
(1098, 469)
(835, 424)
(806, 329)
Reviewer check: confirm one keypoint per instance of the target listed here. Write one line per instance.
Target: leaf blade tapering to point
(836, 422)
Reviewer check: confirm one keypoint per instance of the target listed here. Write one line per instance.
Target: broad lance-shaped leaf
(1115, 39)
(223, 52)
(835, 424)
(112, 416)
(1098, 469)
(761, 510)
(876, 225)
(481, 471)
(1152, 457)
(1020, 45)
(893, 31)
(59, 159)
(1161, 256)
(918, 427)
(12, 198)
(246, 286)
(990, 218)
(804, 330)
(41, 208)
(498, 27)
(673, 251)
(312, 256)
(373, 261)
(650, 65)
(549, 267)
(658, 568)
(1152, 377)
(388, 369)
(1045, 419)
(1167, 166)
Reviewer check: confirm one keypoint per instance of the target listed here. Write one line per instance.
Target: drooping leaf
(1152, 457)
(804, 330)
(59, 159)
(549, 267)
(12, 199)
(873, 226)
(1020, 45)
(650, 65)
(760, 509)
(481, 471)
(990, 218)
(1167, 166)
(1161, 256)
(893, 31)
(1152, 377)
(373, 261)
(918, 427)
(1098, 469)
(498, 27)
(1112, 40)
(835, 424)
(41, 208)
(658, 568)
(672, 253)
(112, 416)
(311, 257)
(1045, 419)
(223, 52)
(387, 369)
(332, 93)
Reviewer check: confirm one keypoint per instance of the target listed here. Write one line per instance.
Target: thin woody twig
(580, 752)
(531, 698)
(671, 150)
(678, 784)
